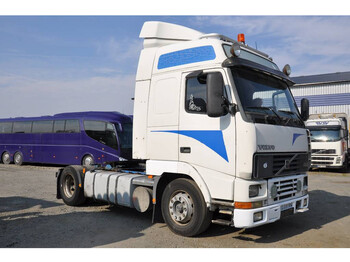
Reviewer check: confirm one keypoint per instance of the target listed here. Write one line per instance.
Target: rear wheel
(87, 160)
(18, 158)
(6, 158)
(71, 192)
(184, 209)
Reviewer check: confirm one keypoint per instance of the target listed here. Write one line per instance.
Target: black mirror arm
(230, 107)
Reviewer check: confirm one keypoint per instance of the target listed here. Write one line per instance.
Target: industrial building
(327, 93)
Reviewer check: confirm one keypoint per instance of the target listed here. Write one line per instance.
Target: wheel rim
(17, 158)
(6, 158)
(88, 161)
(69, 186)
(181, 207)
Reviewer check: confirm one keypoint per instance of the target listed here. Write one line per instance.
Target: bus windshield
(101, 131)
(266, 99)
(329, 134)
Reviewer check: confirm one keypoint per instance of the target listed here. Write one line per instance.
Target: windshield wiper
(291, 113)
(266, 108)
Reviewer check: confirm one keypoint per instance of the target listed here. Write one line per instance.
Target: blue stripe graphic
(295, 136)
(186, 56)
(326, 100)
(211, 138)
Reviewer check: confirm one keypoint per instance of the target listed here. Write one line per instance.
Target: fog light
(305, 202)
(258, 216)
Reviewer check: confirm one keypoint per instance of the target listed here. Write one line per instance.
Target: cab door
(207, 143)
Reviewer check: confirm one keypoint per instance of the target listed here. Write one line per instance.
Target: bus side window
(22, 127)
(5, 127)
(72, 126)
(42, 126)
(58, 126)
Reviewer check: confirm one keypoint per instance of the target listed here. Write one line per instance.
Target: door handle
(185, 150)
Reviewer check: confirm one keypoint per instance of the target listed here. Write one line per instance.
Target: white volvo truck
(217, 137)
(329, 140)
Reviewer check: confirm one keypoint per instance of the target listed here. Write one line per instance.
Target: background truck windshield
(265, 99)
(329, 134)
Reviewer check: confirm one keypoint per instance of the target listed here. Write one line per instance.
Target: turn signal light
(248, 205)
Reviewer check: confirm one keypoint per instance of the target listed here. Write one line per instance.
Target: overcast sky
(54, 64)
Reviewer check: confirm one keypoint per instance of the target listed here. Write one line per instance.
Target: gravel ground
(31, 216)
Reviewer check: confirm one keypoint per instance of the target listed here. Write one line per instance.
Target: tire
(88, 160)
(346, 164)
(184, 209)
(18, 158)
(6, 158)
(71, 193)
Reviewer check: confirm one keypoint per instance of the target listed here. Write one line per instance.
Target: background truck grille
(323, 151)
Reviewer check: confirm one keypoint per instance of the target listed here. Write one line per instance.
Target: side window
(196, 95)
(22, 127)
(58, 126)
(42, 126)
(5, 127)
(72, 126)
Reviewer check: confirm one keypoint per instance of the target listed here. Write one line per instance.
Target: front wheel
(87, 161)
(184, 209)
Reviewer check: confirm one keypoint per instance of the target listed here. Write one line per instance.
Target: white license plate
(286, 206)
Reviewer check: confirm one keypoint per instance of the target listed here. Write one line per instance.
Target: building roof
(322, 79)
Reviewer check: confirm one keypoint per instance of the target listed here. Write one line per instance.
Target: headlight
(254, 190)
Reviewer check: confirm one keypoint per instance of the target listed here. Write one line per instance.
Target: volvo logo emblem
(266, 147)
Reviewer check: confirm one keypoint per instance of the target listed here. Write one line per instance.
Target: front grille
(323, 151)
(297, 165)
(280, 164)
(285, 189)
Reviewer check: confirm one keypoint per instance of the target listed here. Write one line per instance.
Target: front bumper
(244, 218)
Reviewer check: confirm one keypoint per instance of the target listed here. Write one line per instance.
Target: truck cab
(329, 140)
(218, 132)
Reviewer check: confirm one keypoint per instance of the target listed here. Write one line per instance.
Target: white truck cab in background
(329, 140)
(217, 137)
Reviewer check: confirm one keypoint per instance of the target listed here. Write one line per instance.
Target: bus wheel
(87, 160)
(184, 209)
(6, 158)
(71, 192)
(18, 158)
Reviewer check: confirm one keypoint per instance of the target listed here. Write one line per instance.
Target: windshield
(266, 99)
(325, 135)
(124, 131)
(125, 134)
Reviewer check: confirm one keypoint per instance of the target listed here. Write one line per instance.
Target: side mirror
(215, 92)
(304, 109)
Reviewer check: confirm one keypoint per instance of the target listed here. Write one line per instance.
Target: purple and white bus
(81, 138)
